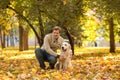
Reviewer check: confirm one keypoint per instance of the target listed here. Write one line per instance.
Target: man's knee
(38, 52)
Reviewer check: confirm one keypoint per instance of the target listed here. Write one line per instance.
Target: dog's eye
(65, 44)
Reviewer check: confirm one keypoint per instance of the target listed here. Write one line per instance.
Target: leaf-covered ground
(88, 64)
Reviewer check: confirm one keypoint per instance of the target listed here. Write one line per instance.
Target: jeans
(43, 56)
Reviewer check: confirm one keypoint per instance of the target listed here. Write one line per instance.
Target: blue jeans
(43, 56)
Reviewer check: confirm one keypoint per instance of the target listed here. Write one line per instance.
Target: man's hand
(57, 56)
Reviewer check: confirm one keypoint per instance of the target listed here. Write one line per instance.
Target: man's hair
(56, 28)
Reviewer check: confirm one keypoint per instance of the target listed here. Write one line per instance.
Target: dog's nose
(62, 48)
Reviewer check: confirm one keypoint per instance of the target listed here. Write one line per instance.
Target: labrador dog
(66, 53)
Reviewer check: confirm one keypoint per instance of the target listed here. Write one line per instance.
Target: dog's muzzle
(63, 49)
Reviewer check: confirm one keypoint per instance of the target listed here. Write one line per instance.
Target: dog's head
(65, 46)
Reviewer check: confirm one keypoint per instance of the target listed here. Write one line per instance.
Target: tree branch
(24, 18)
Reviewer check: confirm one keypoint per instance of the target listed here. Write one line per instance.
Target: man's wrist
(57, 56)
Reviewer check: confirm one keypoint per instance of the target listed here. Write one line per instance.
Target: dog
(66, 53)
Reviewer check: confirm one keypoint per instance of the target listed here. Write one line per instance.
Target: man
(48, 51)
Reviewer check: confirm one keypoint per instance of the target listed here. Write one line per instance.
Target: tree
(25, 38)
(4, 27)
(21, 8)
(107, 11)
(61, 12)
(64, 13)
(21, 38)
(112, 40)
(2, 37)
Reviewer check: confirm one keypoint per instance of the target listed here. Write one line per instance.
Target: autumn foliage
(88, 64)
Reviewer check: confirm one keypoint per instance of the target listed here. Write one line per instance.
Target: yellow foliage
(84, 67)
(34, 70)
(1, 78)
(6, 33)
(77, 76)
(24, 13)
(44, 76)
(10, 12)
(64, 2)
(8, 27)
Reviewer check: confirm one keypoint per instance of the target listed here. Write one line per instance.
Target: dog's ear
(69, 46)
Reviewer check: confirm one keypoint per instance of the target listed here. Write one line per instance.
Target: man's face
(56, 33)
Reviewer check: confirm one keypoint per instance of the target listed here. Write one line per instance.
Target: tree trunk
(70, 39)
(29, 23)
(12, 38)
(7, 40)
(41, 28)
(2, 39)
(20, 38)
(112, 41)
(25, 38)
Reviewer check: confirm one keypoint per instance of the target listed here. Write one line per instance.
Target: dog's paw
(57, 66)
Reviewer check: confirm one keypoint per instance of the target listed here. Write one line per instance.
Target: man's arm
(47, 47)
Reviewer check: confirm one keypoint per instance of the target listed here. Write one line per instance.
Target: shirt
(51, 44)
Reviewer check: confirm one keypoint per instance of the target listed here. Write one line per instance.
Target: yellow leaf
(64, 2)
(5, 32)
(10, 74)
(77, 76)
(1, 78)
(8, 26)
(24, 13)
(34, 70)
